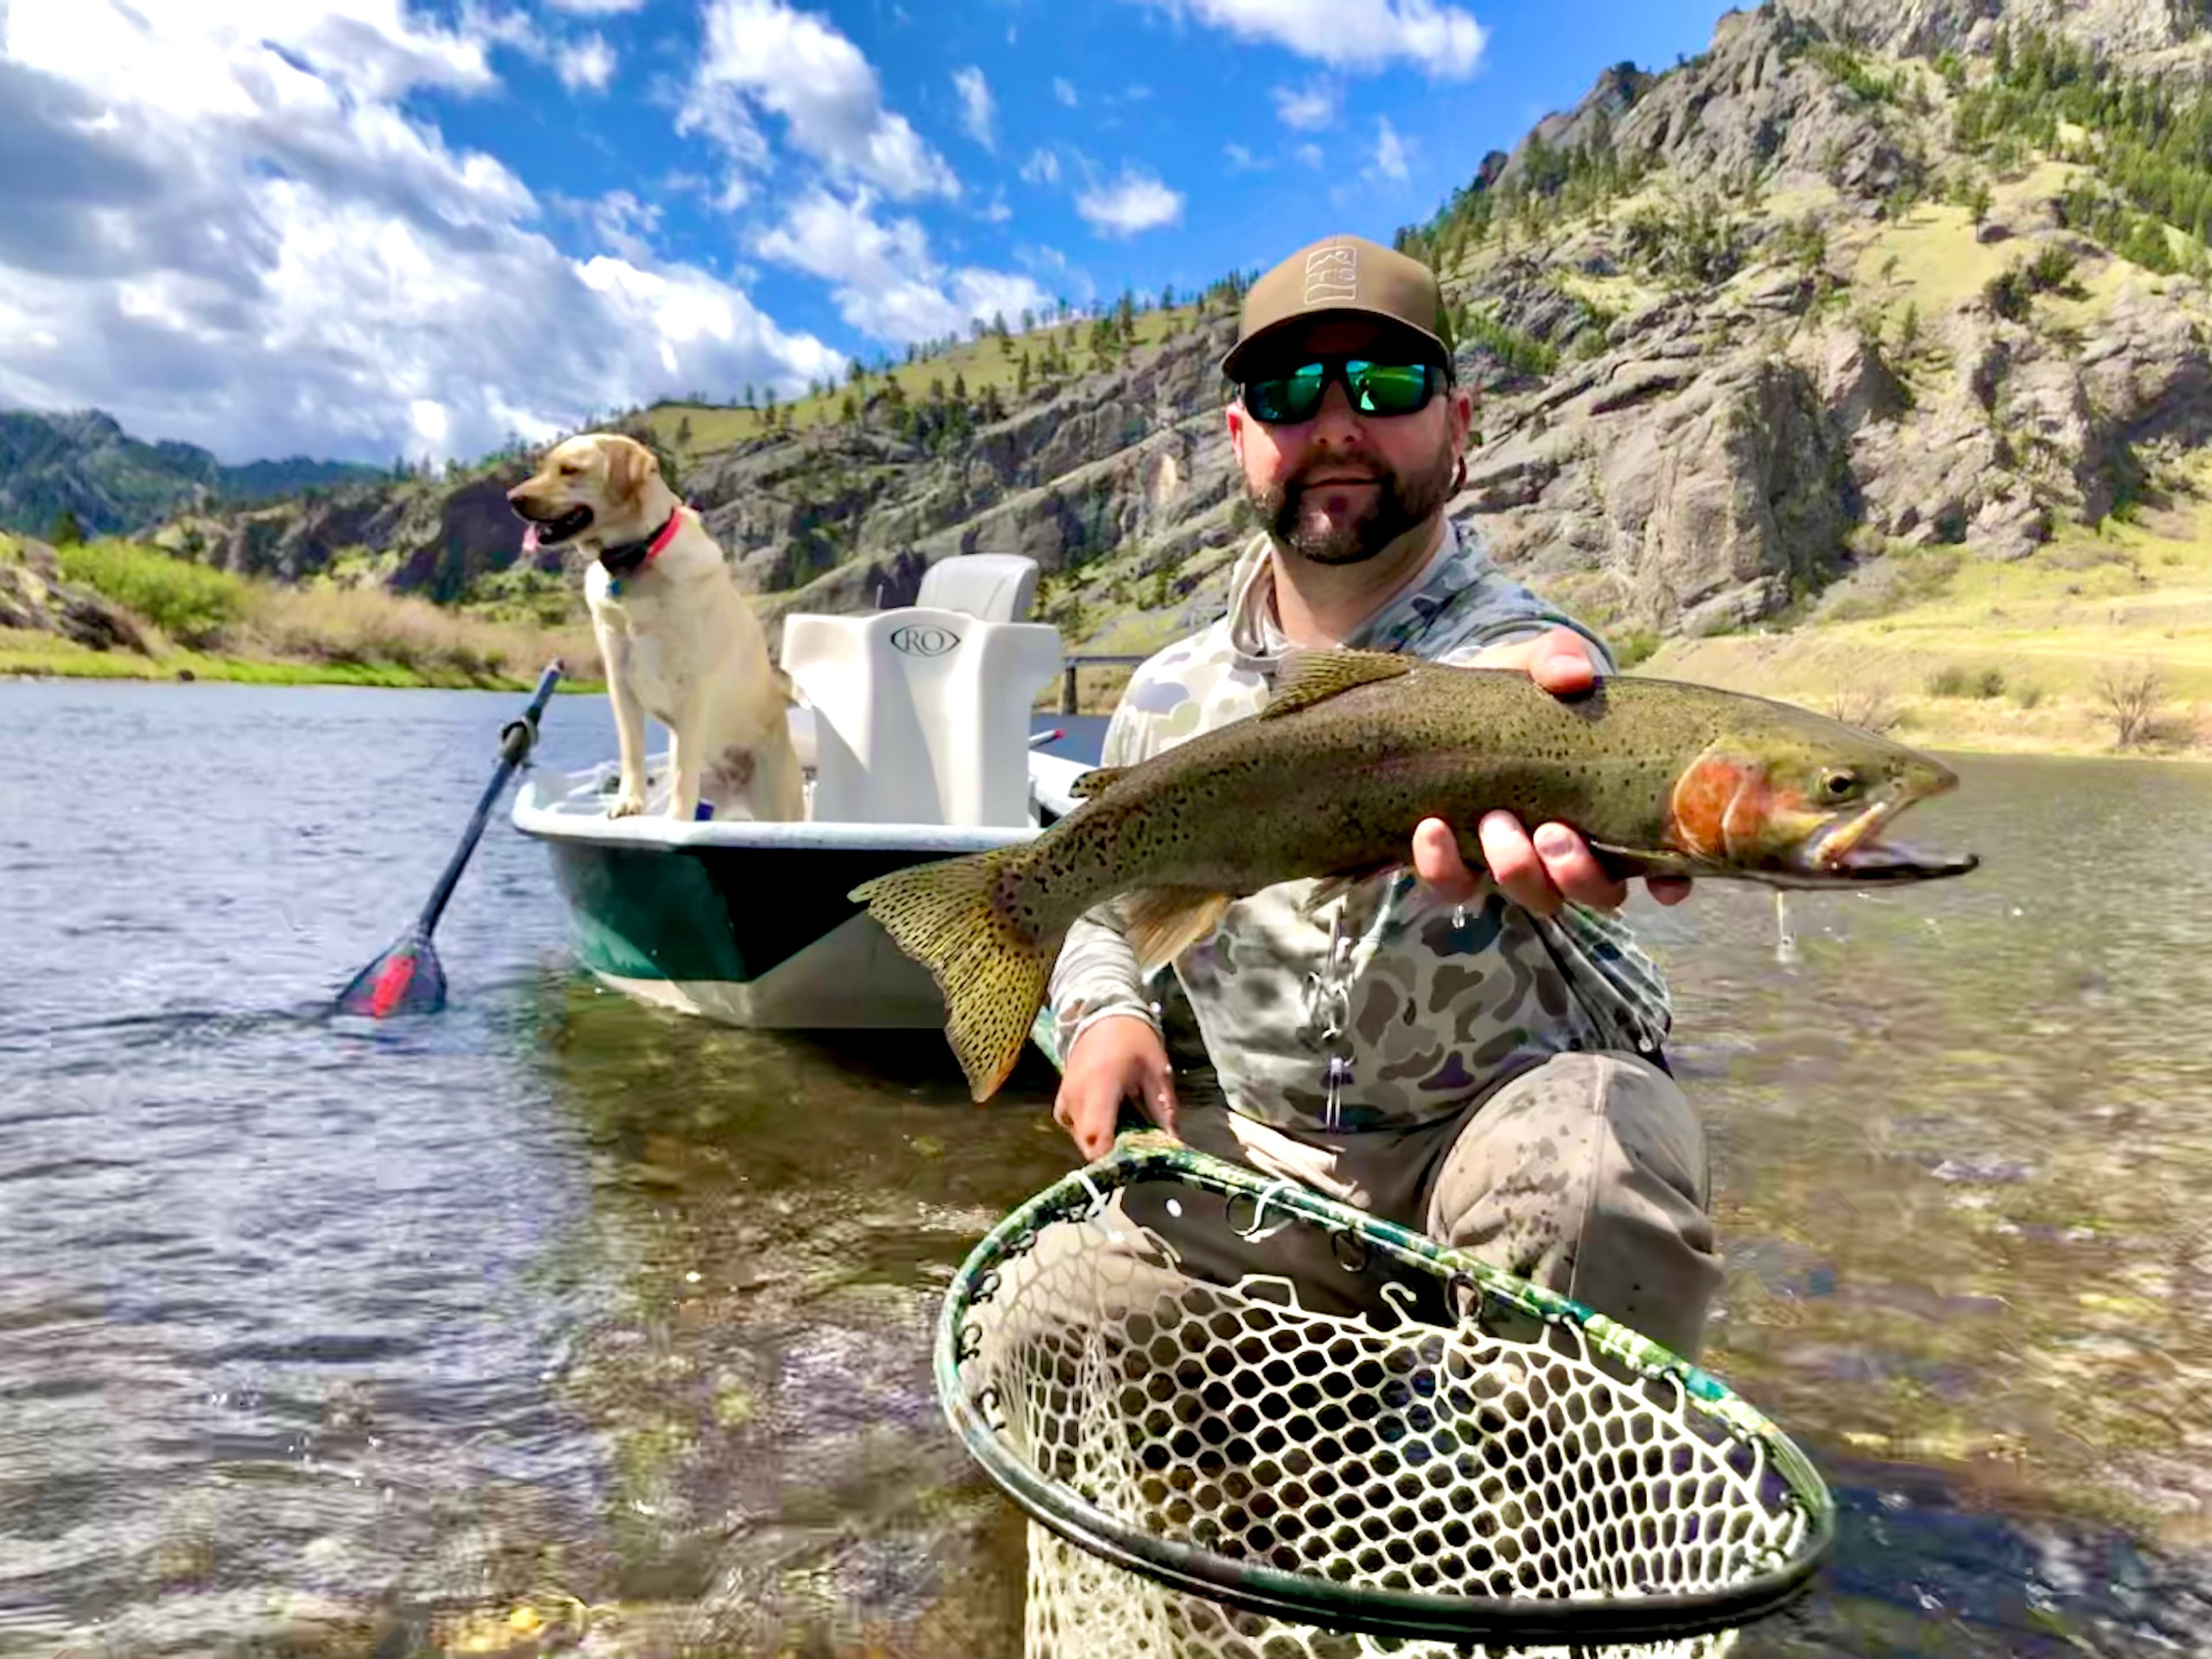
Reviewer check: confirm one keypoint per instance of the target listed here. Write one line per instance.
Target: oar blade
(407, 979)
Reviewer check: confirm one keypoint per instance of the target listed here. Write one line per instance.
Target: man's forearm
(1095, 977)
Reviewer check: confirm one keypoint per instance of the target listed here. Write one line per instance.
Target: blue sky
(363, 228)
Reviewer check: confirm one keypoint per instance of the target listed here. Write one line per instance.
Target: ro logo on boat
(920, 640)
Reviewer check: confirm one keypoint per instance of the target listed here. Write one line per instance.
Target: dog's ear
(628, 467)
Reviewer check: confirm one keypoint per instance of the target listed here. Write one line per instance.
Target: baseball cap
(1341, 274)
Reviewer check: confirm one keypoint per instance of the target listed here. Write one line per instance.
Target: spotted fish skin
(1354, 751)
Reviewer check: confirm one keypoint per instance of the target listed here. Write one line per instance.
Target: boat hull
(746, 923)
(754, 937)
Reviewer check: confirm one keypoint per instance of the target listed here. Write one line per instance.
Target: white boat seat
(989, 587)
(921, 715)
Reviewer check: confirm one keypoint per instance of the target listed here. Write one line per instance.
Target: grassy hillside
(990, 369)
(205, 623)
(2025, 655)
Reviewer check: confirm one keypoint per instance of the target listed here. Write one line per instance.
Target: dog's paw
(626, 804)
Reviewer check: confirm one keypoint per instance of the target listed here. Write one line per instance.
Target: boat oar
(407, 979)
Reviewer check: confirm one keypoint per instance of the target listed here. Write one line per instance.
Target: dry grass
(2047, 631)
(369, 627)
(212, 625)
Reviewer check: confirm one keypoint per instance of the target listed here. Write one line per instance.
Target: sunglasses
(1373, 389)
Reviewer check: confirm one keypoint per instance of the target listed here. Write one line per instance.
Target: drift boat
(915, 728)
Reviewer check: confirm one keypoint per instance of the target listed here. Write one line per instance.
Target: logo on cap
(1332, 274)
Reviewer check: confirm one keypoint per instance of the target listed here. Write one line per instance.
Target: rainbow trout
(1330, 780)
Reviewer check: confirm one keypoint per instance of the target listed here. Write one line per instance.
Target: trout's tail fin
(993, 973)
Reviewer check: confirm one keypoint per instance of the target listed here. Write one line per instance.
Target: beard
(1397, 505)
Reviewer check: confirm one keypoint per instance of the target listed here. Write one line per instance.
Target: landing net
(1469, 1463)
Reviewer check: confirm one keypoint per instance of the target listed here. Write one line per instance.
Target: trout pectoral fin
(1161, 923)
(1310, 677)
(1643, 861)
(1096, 781)
(1329, 889)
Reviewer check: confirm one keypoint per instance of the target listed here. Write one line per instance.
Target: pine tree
(68, 529)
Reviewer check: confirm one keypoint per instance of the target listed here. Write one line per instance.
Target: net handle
(1260, 1588)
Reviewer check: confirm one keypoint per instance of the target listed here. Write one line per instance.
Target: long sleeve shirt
(1387, 1006)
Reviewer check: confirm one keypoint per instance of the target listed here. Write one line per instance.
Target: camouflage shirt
(1408, 1006)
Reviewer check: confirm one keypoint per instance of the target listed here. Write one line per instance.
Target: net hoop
(1260, 1588)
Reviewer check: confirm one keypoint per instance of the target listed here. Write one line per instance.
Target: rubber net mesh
(1451, 1460)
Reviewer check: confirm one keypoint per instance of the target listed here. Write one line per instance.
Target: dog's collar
(625, 557)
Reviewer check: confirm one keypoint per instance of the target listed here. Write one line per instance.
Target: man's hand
(1119, 1058)
(1543, 872)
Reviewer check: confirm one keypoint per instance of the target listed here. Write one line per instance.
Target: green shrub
(1631, 645)
(190, 603)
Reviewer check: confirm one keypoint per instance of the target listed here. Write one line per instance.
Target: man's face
(1340, 487)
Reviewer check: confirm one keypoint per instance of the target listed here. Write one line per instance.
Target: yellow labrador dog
(680, 641)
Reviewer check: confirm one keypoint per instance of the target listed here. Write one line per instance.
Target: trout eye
(1841, 784)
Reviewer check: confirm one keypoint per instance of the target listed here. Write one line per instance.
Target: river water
(557, 1319)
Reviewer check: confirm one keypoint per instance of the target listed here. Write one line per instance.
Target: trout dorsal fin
(1096, 782)
(1312, 677)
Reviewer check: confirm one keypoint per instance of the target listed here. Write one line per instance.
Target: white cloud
(589, 62)
(597, 8)
(186, 65)
(765, 55)
(1311, 154)
(231, 233)
(887, 283)
(720, 114)
(1063, 90)
(1309, 107)
(1051, 265)
(1390, 153)
(1042, 168)
(1442, 39)
(976, 109)
(1132, 203)
(618, 220)
(1241, 160)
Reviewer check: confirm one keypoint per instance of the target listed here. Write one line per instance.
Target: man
(1479, 1058)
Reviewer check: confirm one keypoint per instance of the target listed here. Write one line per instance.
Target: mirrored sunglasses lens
(1391, 388)
(1292, 397)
